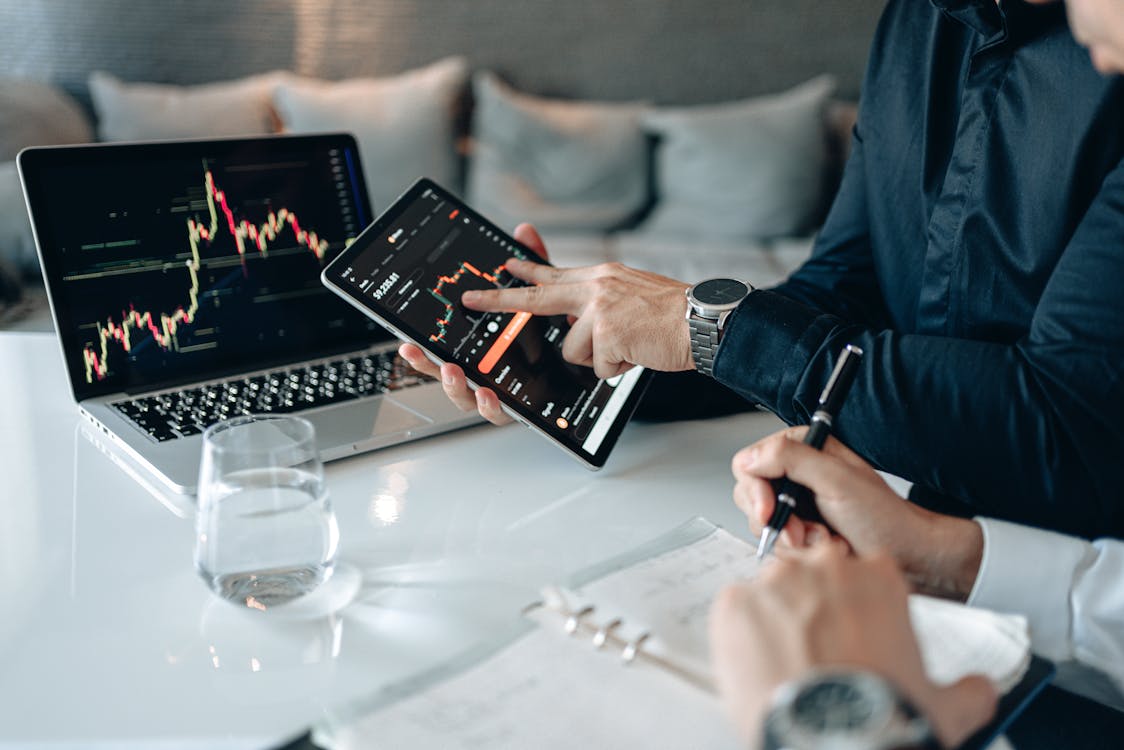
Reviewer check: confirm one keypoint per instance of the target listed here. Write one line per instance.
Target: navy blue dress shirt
(975, 251)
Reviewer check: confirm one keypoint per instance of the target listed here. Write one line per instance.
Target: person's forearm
(1007, 414)
(980, 421)
(947, 562)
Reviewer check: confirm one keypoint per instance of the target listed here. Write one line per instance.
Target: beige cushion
(38, 114)
(404, 124)
(563, 165)
(151, 111)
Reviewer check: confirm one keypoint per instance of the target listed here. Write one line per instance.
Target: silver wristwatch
(709, 303)
(844, 709)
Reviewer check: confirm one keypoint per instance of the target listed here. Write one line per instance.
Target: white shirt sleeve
(1072, 593)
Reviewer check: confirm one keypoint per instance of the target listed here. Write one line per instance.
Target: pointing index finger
(554, 299)
(543, 273)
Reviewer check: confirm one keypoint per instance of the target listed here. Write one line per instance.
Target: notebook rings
(633, 648)
(574, 619)
(603, 632)
(601, 636)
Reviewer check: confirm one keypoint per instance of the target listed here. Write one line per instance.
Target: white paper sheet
(549, 690)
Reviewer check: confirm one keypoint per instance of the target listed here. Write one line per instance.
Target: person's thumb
(957, 711)
(529, 236)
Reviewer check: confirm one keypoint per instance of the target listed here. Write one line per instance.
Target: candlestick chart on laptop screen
(196, 258)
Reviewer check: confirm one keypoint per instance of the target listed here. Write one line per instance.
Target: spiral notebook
(618, 658)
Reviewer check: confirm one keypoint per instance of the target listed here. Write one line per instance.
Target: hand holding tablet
(408, 271)
(451, 376)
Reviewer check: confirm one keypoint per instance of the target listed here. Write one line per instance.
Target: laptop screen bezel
(32, 164)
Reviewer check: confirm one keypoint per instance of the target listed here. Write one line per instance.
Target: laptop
(183, 279)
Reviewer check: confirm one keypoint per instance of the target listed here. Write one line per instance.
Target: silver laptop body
(184, 285)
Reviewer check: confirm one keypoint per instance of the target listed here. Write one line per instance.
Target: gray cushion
(151, 111)
(404, 124)
(742, 170)
(564, 165)
(33, 114)
(17, 248)
(36, 114)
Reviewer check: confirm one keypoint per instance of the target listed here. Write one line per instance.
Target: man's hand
(621, 317)
(939, 554)
(820, 607)
(483, 400)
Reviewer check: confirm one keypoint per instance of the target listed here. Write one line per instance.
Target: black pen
(796, 498)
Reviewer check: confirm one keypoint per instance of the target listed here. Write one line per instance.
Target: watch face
(842, 709)
(833, 705)
(719, 291)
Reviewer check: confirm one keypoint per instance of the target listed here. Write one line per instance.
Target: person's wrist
(684, 340)
(806, 713)
(944, 559)
(709, 304)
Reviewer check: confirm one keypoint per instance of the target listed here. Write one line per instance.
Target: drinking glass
(265, 533)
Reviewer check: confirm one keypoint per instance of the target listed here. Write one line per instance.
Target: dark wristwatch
(844, 709)
(709, 303)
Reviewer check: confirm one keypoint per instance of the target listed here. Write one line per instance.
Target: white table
(109, 639)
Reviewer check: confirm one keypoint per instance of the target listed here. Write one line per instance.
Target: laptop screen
(171, 263)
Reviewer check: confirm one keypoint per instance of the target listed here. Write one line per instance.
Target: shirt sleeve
(1009, 429)
(840, 278)
(1072, 593)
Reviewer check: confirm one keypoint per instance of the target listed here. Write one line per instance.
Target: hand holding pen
(795, 498)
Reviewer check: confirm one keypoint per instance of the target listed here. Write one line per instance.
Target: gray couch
(678, 74)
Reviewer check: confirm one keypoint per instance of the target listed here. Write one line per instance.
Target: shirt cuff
(1030, 572)
(765, 347)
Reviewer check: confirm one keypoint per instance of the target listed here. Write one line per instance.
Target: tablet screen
(410, 268)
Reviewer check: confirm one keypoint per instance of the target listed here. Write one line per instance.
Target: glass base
(262, 589)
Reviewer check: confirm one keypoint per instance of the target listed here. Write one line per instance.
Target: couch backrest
(665, 51)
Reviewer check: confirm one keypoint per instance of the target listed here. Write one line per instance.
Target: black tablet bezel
(333, 274)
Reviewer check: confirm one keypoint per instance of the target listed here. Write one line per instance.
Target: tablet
(408, 270)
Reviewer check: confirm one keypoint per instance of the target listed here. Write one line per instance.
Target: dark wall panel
(666, 51)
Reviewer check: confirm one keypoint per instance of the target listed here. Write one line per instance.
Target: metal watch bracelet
(704, 343)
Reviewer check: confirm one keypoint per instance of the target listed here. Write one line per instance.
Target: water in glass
(265, 531)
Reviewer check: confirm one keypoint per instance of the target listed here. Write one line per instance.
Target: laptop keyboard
(176, 414)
